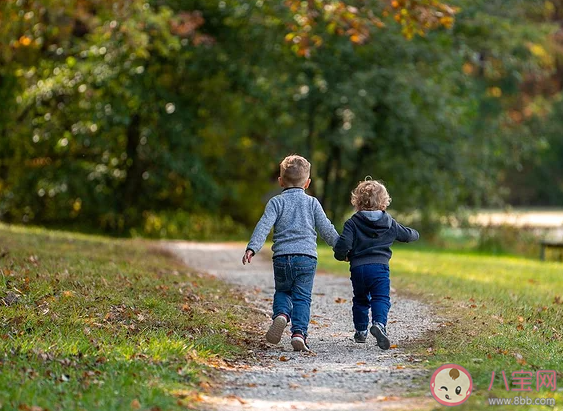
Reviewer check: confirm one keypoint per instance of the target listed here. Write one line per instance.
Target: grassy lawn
(89, 323)
(497, 314)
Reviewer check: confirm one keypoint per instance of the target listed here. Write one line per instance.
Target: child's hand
(247, 257)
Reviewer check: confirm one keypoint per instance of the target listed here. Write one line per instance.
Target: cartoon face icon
(451, 384)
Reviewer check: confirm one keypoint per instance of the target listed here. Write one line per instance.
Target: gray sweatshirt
(294, 216)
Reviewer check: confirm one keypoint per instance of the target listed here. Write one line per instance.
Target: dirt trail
(340, 375)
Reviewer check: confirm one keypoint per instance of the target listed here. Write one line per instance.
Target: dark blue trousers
(371, 286)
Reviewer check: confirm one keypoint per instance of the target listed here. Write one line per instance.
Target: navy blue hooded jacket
(367, 238)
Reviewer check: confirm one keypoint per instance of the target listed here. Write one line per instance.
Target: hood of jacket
(373, 223)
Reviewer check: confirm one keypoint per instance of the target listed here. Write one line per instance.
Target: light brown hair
(295, 170)
(370, 195)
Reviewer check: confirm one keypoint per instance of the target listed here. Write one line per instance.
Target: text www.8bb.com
(522, 401)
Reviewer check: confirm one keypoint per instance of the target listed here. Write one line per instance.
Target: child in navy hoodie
(366, 242)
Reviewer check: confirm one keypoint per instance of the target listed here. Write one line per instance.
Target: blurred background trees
(169, 118)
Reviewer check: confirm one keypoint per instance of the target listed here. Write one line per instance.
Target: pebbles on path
(340, 374)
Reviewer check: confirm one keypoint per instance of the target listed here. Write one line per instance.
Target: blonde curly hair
(370, 195)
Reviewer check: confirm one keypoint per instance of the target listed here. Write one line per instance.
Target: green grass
(499, 313)
(89, 323)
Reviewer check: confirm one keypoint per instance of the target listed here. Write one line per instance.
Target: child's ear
(306, 186)
(280, 180)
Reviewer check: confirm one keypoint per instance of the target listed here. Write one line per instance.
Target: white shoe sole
(298, 344)
(275, 331)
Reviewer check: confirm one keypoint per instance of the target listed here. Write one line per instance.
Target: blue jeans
(294, 275)
(371, 286)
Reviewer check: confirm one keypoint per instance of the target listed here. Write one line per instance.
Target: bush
(189, 226)
(500, 239)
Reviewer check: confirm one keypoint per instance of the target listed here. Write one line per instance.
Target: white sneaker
(275, 331)
(299, 342)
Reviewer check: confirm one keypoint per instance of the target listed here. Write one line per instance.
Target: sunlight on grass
(496, 312)
(93, 323)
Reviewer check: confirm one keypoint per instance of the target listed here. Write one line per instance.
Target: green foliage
(539, 180)
(115, 111)
(189, 226)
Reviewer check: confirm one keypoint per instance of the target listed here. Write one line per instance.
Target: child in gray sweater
(294, 215)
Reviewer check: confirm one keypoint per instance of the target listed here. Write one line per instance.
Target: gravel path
(340, 374)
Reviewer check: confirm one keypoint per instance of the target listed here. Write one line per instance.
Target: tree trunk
(132, 182)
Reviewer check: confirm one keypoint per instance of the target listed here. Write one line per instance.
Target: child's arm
(345, 242)
(263, 228)
(406, 234)
(323, 224)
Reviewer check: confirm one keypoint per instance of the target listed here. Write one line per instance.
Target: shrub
(189, 226)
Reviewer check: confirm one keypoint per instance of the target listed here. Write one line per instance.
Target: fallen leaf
(182, 393)
(520, 318)
(283, 358)
(400, 367)
(243, 402)
(11, 298)
(391, 398)
(340, 300)
(205, 385)
(519, 327)
(313, 322)
(393, 346)
(520, 359)
(557, 300)
(251, 384)
(25, 407)
(294, 386)
(135, 404)
(360, 363)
